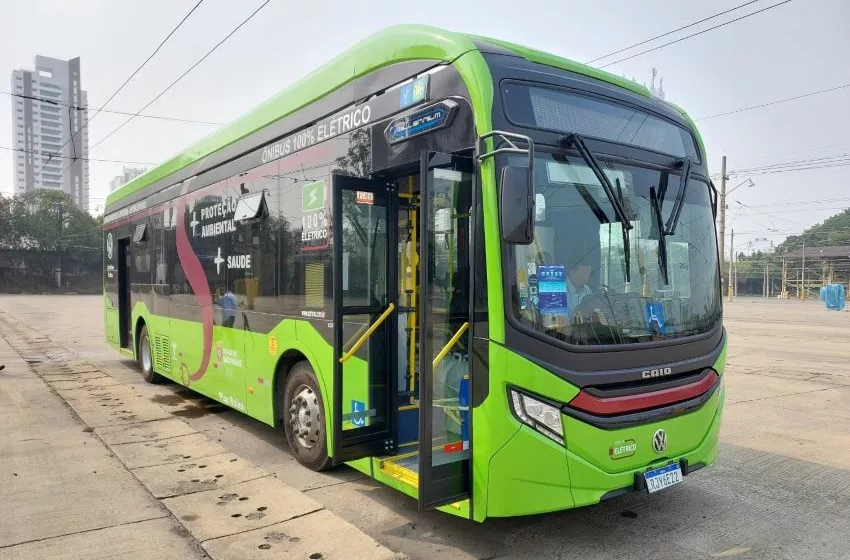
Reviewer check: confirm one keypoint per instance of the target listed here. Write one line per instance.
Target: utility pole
(764, 282)
(769, 287)
(731, 259)
(784, 290)
(721, 239)
(803, 272)
(735, 274)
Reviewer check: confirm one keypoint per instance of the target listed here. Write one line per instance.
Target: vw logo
(659, 441)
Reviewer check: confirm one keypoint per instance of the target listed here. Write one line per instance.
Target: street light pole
(722, 218)
(803, 271)
(731, 260)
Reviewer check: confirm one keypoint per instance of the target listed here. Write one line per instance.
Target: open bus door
(365, 228)
(445, 337)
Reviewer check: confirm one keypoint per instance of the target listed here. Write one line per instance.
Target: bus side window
(251, 252)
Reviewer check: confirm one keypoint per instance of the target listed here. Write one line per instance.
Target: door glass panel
(364, 396)
(364, 250)
(445, 444)
(364, 318)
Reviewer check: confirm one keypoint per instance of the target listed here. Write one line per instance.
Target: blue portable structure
(833, 296)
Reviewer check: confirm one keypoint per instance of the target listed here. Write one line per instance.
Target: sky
(794, 49)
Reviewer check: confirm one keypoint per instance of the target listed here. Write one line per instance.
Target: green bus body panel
(476, 76)
(517, 471)
(230, 384)
(548, 59)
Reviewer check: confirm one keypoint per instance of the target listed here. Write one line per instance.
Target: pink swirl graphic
(197, 279)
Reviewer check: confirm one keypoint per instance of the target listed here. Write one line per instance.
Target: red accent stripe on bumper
(643, 401)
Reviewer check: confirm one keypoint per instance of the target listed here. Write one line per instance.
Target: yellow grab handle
(451, 343)
(367, 334)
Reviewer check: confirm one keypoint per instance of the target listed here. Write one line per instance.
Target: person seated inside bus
(578, 259)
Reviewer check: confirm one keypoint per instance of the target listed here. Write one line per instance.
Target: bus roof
(395, 44)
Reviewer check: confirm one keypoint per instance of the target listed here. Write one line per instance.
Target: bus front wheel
(304, 419)
(145, 355)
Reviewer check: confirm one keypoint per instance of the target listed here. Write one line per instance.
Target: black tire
(145, 357)
(303, 417)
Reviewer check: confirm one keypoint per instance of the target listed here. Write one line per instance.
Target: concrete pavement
(91, 468)
(780, 489)
(63, 494)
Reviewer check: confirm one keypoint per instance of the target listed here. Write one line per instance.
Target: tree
(835, 230)
(48, 221)
(5, 222)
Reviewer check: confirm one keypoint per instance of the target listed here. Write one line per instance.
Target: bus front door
(444, 326)
(365, 227)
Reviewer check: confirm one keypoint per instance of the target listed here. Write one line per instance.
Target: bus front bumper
(532, 474)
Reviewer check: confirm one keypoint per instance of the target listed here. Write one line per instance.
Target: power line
(112, 111)
(801, 151)
(837, 160)
(802, 168)
(695, 34)
(121, 87)
(797, 203)
(743, 214)
(183, 75)
(80, 158)
(671, 32)
(777, 102)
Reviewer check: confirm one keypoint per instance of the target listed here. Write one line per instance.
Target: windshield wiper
(662, 235)
(616, 202)
(627, 250)
(673, 220)
(590, 159)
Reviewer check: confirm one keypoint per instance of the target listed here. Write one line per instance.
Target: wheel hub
(305, 417)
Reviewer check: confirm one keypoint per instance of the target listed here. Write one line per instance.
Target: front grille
(645, 385)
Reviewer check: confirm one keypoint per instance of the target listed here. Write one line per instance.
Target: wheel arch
(283, 367)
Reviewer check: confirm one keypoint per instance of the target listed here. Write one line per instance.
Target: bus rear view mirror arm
(511, 148)
(516, 201)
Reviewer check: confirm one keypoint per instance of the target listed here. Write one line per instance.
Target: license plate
(664, 477)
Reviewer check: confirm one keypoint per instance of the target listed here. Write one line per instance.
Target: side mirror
(516, 205)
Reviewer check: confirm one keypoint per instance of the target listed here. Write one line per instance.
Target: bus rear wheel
(145, 355)
(304, 419)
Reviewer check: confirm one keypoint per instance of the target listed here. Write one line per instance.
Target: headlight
(541, 416)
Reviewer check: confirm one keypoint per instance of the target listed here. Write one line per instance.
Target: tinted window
(252, 248)
(571, 284)
(567, 112)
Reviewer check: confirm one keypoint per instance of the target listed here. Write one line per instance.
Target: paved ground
(781, 488)
(92, 468)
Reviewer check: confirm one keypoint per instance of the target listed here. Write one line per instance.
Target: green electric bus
(484, 275)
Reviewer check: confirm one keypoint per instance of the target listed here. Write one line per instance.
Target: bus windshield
(571, 282)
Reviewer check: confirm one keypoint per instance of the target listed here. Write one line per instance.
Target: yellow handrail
(451, 343)
(367, 334)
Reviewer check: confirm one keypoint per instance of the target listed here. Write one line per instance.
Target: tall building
(46, 129)
(126, 176)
